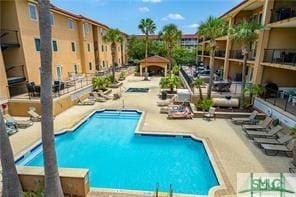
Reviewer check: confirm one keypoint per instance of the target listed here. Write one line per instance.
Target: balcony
(9, 39)
(237, 54)
(207, 53)
(220, 53)
(282, 14)
(280, 56)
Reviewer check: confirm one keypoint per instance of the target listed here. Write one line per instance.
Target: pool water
(117, 158)
(138, 90)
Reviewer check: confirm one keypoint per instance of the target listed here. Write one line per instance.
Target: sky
(126, 14)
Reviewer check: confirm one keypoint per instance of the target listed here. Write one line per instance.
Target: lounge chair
(267, 133)
(22, 124)
(98, 98)
(185, 114)
(34, 116)
(167, 102)
(166, 109)
(272, 149)
(292, 168)
(266, 122)
(10, 130)
(280, 141)
(101, 94)
(210, 114)
(87, 102)
(249, 120)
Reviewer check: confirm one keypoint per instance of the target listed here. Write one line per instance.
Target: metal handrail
(9, 36)
(282, 56)
(282, 14)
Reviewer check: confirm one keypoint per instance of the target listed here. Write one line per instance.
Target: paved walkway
(232, 148)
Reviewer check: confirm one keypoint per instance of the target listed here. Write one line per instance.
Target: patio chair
(101, 94)
(272, 149)
(22, 124)
(280, 141)
(166, 109)
(267, 133)
(87, 102)
(35, 117)
(167, 102)
(249, 120)
(98, 98)
(210, 114)
(266, 122)
(184, 114)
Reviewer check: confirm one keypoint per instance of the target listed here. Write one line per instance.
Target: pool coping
(224, 186)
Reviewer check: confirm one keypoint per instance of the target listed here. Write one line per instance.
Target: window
(106, 48)
(88, 47)
(59, 70)
(89, 66)
(86, 27)
(119, 60)
(37, 44)
(54, 45)
(103, 64)
(51, 19)
(73, 46)
(70, 23)
(33, 11)
(102, 48)
(75, 68)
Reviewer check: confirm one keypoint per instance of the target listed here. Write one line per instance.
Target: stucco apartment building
(273, 55)
(77, 44)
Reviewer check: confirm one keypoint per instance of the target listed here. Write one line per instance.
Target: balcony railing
(220, 53)
(199, 52)
(9, 38)
(282, 14)
(280, 56)
(237, 54)
(207, 53)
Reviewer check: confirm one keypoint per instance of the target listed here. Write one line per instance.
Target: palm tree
(211, 29)
(199, 83)
(244, 33)
(171, 81)
(113, 36)
(11, 184)
(52, 179)
(170, 34)
(147, 26)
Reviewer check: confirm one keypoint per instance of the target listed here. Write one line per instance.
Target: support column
(141, 70)
(263, 40)
(146, 70)
(165, 70)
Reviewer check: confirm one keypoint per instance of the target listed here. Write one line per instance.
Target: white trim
(61, 72)
(29, 12)
(53, 19)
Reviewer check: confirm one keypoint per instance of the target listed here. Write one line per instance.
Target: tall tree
(11, 186)
(52, 180)
(171, 35)
(113, 36)
(211, 29)
(244, 33)
(147, 27)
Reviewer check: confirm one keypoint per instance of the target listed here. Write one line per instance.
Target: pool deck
(231, 149)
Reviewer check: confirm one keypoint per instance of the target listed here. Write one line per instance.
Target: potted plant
(204, 104)
(122, 76)
(171, 81)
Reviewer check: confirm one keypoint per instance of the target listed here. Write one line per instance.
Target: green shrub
(171, 81)
(175, 70)
(204, 104)
(101, 82)
(122, 75)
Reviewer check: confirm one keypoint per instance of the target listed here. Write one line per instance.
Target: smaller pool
(139, 90)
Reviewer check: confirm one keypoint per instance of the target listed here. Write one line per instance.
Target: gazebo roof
(155, 59)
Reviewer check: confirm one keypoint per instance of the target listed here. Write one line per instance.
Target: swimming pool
(117, 158)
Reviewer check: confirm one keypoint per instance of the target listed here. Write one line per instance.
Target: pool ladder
(170, 192)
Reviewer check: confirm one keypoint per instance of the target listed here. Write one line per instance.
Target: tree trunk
(242, 101)
(52, 180)
(209, 93)
(200, 93)
(11, 186)
(146, 55)
(113, 48)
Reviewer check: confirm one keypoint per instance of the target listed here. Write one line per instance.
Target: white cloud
(175, 16)
(151, 1)
(194, 25)
(164, 18)
(144, 9)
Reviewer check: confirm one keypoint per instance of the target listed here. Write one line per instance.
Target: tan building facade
(76, 42)
(273, 55)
